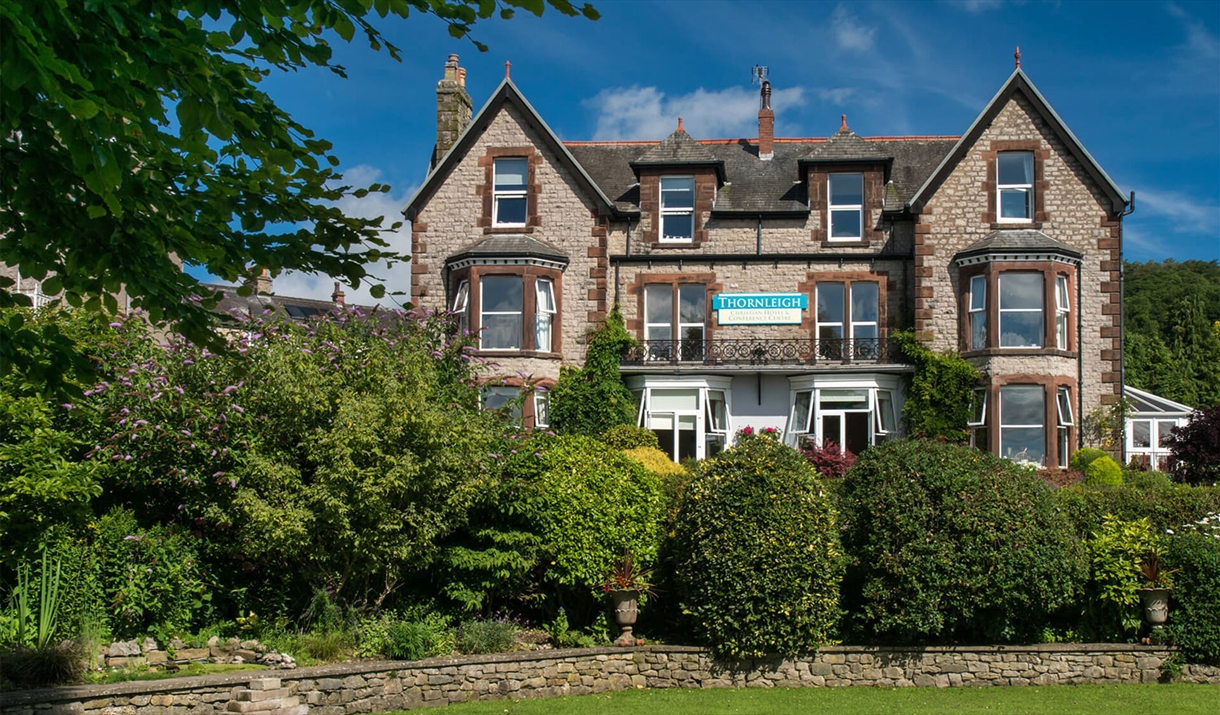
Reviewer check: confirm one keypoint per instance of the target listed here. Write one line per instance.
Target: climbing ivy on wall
(941, 392)
(590, 400)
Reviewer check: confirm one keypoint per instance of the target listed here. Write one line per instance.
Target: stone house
(764, 276)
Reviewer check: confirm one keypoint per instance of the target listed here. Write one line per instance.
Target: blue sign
(759, 308)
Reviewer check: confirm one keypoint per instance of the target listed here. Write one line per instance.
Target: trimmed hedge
(1194, 621)
(948, 544)
(1168, 508)
(1084, 456)
(630, 437)
(758, 562)
(1103, 472)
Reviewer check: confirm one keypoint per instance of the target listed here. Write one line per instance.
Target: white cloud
(648, 113)
(396, 278)
(849, 32)
(976, 6)
(1187, 214)
(836, 95)
(1199, 40)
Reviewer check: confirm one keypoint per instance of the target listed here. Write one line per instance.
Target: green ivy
(940, 396)
(591, 400)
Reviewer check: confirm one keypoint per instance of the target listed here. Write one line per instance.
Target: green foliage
(674, 477)
(1194, 448)
(26, 626)
(104, 108)
(561, 513)
(1085, 507)
(48, 665)
(1085, 456)
(630, 437)
(416, 640)
(1171, 345)
(496, 635)
(948, 544)
(1194, 622)
(941, 392)
(757, 560)
(1115, 551)
(1103, 472)
(1147, 480)
(593, 399)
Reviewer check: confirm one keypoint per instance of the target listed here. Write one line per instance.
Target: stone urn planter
(626, 608)
(1156, 605)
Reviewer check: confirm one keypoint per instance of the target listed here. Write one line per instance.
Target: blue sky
(1138, 83)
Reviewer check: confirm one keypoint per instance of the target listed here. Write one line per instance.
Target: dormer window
(510, 193)
(677, 208)
(1015, 186)
(846, 193)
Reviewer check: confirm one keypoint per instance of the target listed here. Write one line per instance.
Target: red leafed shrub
(831, 461)
(1195, 448)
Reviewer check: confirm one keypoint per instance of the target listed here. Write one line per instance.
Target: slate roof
(1022, 240)
(677, 148)
(255, 305)
(845, 145)
(511, 245)
(753, 185)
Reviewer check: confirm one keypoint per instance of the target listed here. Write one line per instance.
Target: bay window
(1015, 186)
(501, 312)
(502, 397)
(677, 208)
(510, 191)
(853, 415)
(690, 417)
(846, 206)
(1023, 423)
(461, 306)
(1063, 409)
(1021, 310)
(978, 312)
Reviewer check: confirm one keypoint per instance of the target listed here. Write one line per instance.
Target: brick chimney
(262, 282)
(453, 109)
(766, 124)
(337, 296)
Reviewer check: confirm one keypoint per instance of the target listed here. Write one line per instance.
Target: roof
(511, 246)
(1018, 83)
(254, 305)
(679, 149)
(1143, 402)
(845, 146)
(1021, 240)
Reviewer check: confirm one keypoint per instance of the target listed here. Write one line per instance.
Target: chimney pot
(337, 296)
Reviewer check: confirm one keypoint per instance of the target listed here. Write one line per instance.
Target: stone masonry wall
(382, 686)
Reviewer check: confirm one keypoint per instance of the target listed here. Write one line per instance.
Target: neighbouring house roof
(1145, 403)
(510, 246)
(255, 305)
(1018, 83)
(1022, 240)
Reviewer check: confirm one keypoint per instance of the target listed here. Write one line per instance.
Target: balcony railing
(762, 351)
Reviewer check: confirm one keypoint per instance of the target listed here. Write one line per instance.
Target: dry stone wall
(382, 686)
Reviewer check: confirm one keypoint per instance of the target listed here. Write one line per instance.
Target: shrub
(1194, 449)
(674, 477)
(630, 437)
(1084, 457)
(1194, 622)
(416, 640)
(830, 461)
(940, 396)
(590, 400)
(491, 636)
(1169, 508)
(1152, 480)
(1103, 472)
(52, 664)
(949, 544)
(758, 563)
(1114, 552)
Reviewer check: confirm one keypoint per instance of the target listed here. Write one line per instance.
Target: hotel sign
(759, 308)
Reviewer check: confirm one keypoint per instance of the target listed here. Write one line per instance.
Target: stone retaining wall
(372, 687)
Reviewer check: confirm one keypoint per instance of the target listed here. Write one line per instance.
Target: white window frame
(461, 305)
(680, 326)
(702, 413)
(880, 431)
(542, 407)
(803, 430)
(545, 310)
(483, 313)
(833, 208)
(978, 289)
(810, 387)
(850, 294)
(826, 351)
(1040, 310)
(498, 194)
(1026, 188)
(1003, 426)
(653, 352)
(1066, 420)
(978, 417)
(666, 211)
(1063, 309)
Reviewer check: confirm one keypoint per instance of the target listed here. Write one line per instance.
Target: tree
(590, 400)
(134, 136)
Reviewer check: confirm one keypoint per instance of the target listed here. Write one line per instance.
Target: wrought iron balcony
(762, 351)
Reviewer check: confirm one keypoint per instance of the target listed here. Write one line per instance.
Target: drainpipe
(759, 239)
(617, 264)
(1079, 359)
(1122, 328)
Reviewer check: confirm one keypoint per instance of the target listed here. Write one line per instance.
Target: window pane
(1141, 434)
(463, 294)
(885, 405)
(846, 189)
(843, 399)
(1015, 167)
(1021, 330)
(1023, 444)
(830, 332)
(1063, 447)
(830, 303)
(678, 226)
(979, 407)
(501, 332)
(542, 408)
(864, 302)
(978, 331)
(661, 421)
(1022, 405)
(1014, 203)
(1163, 431)
(1020, 290)
(510, 209)
(1061, 293)
(511, 174)
(502, 294)
(1065, 407)
(659, 303)
(717, 415)
(864, 332)
(546, 295)
(692, 307)
(677, 399)
(800, 412)
(661, 333)
(677, 192)
(542, 332)
(845, 224)
(497, 398)
(978, 293)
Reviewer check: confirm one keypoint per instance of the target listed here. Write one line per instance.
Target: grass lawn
(1183, 699)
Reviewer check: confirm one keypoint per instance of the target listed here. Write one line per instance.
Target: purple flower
(116, 325)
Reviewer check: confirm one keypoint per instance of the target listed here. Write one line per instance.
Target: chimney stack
(337, 296)
(453, 109)
(262, 282)
(766, 124)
